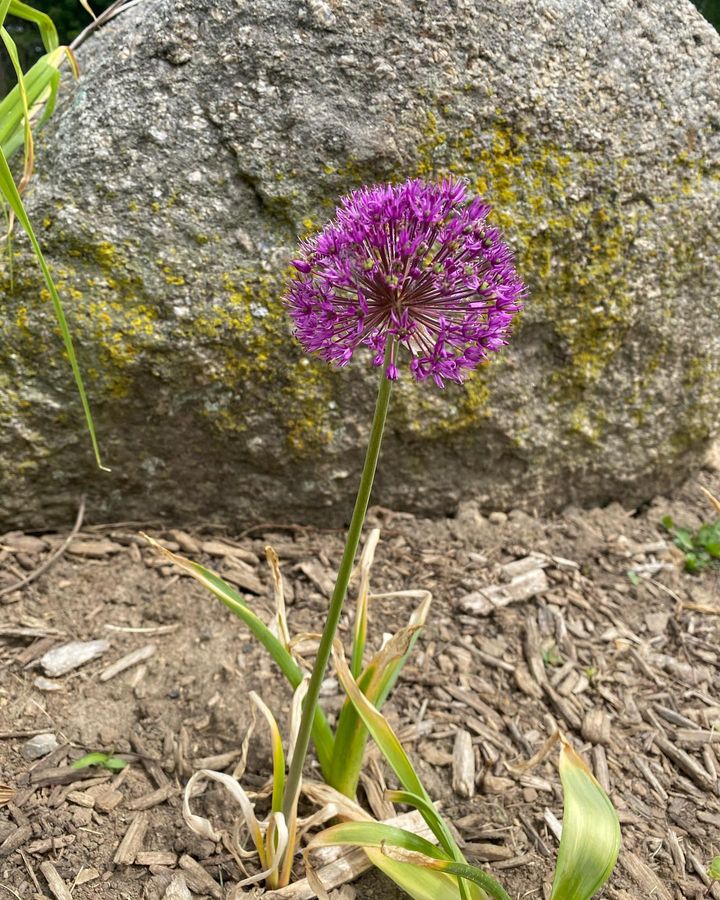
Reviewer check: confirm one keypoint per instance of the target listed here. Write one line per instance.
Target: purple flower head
(416, 264)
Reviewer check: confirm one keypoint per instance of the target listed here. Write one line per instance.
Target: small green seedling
(104, 760)
(714, 869)
(700, 548)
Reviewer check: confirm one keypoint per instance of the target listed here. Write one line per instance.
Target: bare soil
(626, 666)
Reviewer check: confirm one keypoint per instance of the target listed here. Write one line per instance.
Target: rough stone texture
(205, 134)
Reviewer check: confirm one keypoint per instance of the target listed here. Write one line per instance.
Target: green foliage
(590, 840)
(30, 102)
(701, 548)
(714, 868)
(711, 10)
(69, 19)
(104, 760)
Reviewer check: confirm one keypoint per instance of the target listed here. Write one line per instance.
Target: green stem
(292, 786)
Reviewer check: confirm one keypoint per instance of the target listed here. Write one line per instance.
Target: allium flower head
(415, 264)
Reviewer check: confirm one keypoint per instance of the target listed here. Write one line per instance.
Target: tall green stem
(352, 540)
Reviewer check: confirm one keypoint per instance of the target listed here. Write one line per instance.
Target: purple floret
(416, 263)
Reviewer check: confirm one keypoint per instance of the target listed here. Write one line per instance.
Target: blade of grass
(26, 130)
(322, 733)
(45, 24)
(8, 188)
(590, 840)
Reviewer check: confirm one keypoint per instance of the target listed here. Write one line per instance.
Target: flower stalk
(292, 786)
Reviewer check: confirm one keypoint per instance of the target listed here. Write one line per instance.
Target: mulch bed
(535, 625)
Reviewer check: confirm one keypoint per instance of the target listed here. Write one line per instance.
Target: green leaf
(393, 751)
(418, 883)
(322, 733)
(416, 852)
(8, 188)
(683, 539)
(99, 759)
(278, 754)
(374, 834)
(45, 24)
(714, 869)
(590, 840)
(375, 682)
(692, 563)
(633, 577)
(667, 522)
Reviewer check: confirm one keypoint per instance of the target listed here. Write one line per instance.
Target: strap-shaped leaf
(590, 840)
(376, 681)
(388, 846)
(322, 733)
(45, 24)
(278, 753)
(397, 758)
(10, 191)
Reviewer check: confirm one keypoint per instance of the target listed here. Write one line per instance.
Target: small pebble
(64, 659)
(498, 517)
(657, 622)
(39, 746)
(46, 684)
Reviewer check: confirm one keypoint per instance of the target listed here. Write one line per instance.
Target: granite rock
(205, 135)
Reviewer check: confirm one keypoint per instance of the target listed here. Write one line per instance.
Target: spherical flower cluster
(415, 265)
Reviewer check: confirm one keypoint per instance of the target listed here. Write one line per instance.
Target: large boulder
(205, 135)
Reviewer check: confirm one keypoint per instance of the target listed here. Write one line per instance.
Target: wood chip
(186, 542)
(80, 798)
(51, 844)
(15, 840)
(70, 656)
(220, 548)
(127, 661)
(17, 542)
(60, 775)
(563, 708)
(86, 875)
(177, 889)
(596, 726)
(486, 852)
(6, 794)
(153, 799)
(55, 883)
(132, 842)
(243, 577)
(320, 577)
(522, 587)
(97, 549)
(644, 877)
(686, 763)
(531, 648)
(106, 801)
(156, 858)
(463, 765)
(198, 879)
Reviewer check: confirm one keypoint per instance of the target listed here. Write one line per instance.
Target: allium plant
(414, 275)
(410, 270)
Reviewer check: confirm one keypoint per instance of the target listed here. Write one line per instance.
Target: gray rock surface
(204, 135)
